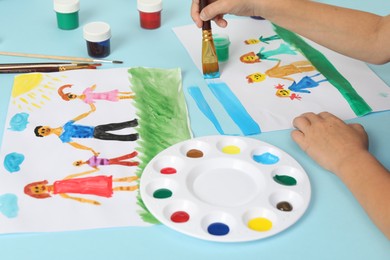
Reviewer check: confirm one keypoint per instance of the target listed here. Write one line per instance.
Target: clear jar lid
(97, 32)
(149, 6)
(66, 6)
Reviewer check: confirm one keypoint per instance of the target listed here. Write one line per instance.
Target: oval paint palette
(225, 188)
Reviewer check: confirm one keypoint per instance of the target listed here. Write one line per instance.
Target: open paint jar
(150, 13)
(67, 12)
(221, 43)
(97, 36)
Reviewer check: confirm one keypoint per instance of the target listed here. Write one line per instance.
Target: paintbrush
(209, 55)
(44, 67)
(55, 57)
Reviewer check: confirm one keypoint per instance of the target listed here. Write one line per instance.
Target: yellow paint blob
(260, 224)
(231, 149)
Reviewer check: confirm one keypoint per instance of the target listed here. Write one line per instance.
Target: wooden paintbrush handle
(206, 24)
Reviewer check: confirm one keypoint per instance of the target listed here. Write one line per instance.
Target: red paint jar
(150, 13)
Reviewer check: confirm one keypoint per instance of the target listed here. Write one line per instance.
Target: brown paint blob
(194, 153)
(284, 206)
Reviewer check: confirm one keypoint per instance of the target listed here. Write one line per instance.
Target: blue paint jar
(67, 12)
(97, 36)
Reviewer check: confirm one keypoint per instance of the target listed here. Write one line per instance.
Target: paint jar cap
(66, 6)
(97, 32)
(149, 6)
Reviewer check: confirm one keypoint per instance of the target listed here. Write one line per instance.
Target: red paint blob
(168, 170)
(180, 217)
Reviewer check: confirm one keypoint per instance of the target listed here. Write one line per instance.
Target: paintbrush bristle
(117, 61)
(209, 56)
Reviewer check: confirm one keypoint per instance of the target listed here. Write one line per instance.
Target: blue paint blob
(9, 205)
(218, 229)
(18, 122)
(266, 158)
(12, 162)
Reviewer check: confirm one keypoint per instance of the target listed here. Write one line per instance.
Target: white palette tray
(225, 188)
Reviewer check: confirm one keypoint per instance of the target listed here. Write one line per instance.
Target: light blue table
(334, 226)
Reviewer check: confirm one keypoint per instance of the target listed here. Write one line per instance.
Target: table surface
(334, 226)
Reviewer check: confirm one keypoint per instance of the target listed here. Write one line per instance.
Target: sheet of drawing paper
(273, 75)
(100, 119)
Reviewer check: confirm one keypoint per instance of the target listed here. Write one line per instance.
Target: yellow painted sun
(32, 91)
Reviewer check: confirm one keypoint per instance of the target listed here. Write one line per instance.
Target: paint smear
(18, 122)
(231, 149)
(326, 68)
(260, 224)
(266, 158)
(160, 102)
(234, 107)
(12, 162)
(204, 107)
(9, 205)
(285, 180)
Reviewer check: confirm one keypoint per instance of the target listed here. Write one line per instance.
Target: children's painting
(273, 75)
(76, 142)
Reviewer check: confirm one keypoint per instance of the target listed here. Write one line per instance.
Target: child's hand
(328, 140)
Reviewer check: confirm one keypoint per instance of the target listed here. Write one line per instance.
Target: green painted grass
(326, 68)
(162, 116)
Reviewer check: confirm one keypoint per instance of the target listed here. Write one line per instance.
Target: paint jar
(97, 36)
(150, 13)
(67, 12)
(221, 43)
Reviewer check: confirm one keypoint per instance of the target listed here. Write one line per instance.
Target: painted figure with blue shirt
(71, 130)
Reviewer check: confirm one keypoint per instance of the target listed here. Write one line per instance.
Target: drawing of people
(89, 96)
(70, 130)
(282, 92)
(295, 67)
(252, 57)
(249, 58)
(283, 49)
(95, 161)
(305, 83)
(300, 87)
(100, 185)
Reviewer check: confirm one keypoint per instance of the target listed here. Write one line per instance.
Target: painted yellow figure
(256, 77)
(295, 67)
(249, 58)
(251, 41)
(282, 92)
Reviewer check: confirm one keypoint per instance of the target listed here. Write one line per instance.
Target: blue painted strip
(202, 104)
(234, 107)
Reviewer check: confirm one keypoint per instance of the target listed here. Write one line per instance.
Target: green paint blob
(285, 180)
(162, 193)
